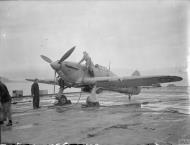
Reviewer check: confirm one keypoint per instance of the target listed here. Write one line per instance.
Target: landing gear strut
(129, 97)
(62, 99)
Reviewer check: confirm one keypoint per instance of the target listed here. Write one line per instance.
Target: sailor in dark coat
(35, 94)
(5, 105)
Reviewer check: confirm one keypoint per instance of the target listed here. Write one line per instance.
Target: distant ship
(3, 79)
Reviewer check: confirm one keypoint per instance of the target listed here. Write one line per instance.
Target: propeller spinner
(57, 64)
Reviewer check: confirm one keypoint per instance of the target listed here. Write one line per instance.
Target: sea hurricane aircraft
(73, 74)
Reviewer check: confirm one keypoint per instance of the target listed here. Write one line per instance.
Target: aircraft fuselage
(74, 72)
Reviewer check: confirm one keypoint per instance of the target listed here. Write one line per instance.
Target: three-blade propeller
(57, 64)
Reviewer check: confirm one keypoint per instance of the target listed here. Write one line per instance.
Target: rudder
(136, 73)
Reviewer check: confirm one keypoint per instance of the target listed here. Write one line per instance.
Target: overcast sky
(129, 34)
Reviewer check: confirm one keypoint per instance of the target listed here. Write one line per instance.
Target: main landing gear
(61, 98)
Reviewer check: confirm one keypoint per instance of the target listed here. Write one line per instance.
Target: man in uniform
(5, 105)
(89, 64)
(35, 94)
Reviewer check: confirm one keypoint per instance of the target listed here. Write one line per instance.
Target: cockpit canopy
(101, 67)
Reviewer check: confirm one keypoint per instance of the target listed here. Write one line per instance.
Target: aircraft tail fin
(136, 73)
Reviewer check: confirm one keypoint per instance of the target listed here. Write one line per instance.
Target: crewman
(5, 105)
(89, 63)
(1, 113)
(92, 100)
(35, 94)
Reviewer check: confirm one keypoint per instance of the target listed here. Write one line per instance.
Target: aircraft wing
(132, 81)
(50, 82)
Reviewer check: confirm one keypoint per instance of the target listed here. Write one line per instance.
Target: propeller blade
(46, 58)
(67, 54)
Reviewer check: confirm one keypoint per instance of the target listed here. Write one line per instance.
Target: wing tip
(176, 78)
(179, 78)
(29, 79)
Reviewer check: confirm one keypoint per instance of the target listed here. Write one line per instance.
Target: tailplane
(136, 73)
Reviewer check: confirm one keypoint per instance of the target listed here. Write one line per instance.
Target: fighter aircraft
(73, 74)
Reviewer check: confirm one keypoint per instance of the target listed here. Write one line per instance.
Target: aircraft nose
(55, 65)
